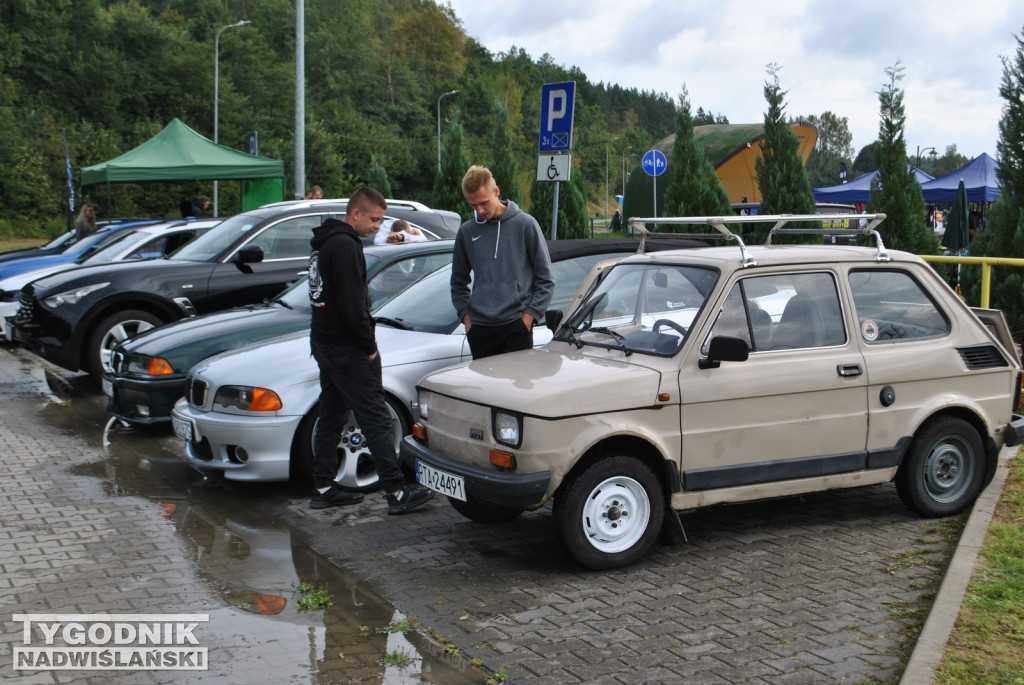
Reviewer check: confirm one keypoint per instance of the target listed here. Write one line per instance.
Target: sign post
(654, 164)
(556, 115)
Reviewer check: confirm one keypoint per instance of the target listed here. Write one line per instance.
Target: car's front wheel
(610, 513)
(112, 330)
(355, 465)
(943, 471)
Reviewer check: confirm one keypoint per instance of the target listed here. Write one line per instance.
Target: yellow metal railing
(986, 268)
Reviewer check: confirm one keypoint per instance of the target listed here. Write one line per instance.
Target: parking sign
(556, 110)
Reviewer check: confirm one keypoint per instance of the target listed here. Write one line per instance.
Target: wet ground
(825, 588)
(212, 548)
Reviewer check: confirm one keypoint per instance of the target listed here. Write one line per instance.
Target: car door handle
(849, 370)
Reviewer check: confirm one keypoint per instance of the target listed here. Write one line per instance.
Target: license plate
(441, 481)
(183, 428)
(108, 387)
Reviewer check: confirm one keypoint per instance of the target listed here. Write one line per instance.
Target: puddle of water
(257, 564)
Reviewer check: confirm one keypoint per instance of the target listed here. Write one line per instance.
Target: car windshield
(425, 306)
(110, 250)
(217, 239)
(90, 242)
(645, 308)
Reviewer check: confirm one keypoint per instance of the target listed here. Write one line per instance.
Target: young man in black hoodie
(343, 343)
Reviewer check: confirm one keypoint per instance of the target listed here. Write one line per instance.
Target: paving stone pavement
(827, 588)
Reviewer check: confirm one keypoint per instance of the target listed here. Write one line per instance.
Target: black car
(147, 372)
(73, 319)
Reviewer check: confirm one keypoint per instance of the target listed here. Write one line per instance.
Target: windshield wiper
(614, 336)
(281, 302)
(394, 323)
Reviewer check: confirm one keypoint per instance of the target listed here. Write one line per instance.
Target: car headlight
(423, 397)
(149, 366)
(508, 428)
(10, 295)
(247, 398)
(72, 296)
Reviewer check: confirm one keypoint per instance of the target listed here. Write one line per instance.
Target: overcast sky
(833, 55)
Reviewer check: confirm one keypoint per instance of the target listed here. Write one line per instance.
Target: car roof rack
(781, 220)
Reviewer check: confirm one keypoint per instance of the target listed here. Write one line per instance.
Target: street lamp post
(450, 92)
(921, 150)
(216, 94)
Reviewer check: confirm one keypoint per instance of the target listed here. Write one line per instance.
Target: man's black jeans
(487, 341)
(350, 381)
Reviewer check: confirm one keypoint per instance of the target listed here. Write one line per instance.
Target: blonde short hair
(476, 178)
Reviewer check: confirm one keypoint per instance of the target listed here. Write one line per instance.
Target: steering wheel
(671, 324)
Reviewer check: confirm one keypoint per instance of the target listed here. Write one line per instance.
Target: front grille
(982, 357)
(195, 391)
(26, 308)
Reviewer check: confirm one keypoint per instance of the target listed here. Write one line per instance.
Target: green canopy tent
(178, 153)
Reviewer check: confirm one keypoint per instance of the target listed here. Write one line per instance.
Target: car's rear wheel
(943, 471)
(484, 512)
(112, 330)
(611, 512)
(355, 468)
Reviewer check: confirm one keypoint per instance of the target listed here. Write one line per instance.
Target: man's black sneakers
(335, 497)
(409, 497)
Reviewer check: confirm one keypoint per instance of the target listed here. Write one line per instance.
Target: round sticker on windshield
(869, 329)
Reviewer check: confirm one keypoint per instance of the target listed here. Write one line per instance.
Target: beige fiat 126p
(683, 379)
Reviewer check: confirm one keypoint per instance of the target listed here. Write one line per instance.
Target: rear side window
(891, 305)
(288, 239)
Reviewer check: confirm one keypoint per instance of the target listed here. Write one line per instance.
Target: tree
(834, 147)
(1004, 234)
(694, 188)
(504, 167)
(377, 177)
(865, 161)
(781, 176)
(573, 220)
(448, 181)
(895, 191)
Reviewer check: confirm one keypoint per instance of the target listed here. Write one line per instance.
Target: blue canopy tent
(859, 189)
(979, 177)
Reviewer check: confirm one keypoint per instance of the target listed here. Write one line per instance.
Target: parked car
(670, 389)
(147, 373)
(74, 320)
(140, 242)
(417, 331)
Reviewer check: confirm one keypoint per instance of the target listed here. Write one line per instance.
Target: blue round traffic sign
(654, 163)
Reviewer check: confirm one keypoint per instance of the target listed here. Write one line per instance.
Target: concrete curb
(931, 642)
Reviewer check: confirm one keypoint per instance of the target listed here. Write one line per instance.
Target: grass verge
(987, 643)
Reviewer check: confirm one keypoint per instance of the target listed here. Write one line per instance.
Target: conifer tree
(504, 167)
(895, 190)
(1004, 227)
(378, 177)
(573, 218)
(781, 176)
(447, 192)
(694, 188)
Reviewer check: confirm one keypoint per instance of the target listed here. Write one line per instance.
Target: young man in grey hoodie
(502, 251)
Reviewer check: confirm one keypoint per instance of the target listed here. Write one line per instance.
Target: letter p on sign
(556, 114)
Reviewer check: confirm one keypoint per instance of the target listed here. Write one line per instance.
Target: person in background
(85, 222)
(502, 251)
(343, 342)
(403, 232)
(199, 205)
(315, 193)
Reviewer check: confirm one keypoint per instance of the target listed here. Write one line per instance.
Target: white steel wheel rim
(949, 470)
(616, 514)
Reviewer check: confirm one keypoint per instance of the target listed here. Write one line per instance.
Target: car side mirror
(725, 349)
(552, 319)
(246, 255)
